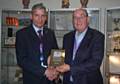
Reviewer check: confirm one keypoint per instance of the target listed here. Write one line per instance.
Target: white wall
(54, 4)
(17, 4)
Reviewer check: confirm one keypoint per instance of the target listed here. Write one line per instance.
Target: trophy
(57, 57)
(84, 3)
(25, 4)
(65, 3)
(116, 21)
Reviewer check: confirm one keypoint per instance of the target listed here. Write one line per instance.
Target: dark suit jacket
(28, 53)
(85, 69)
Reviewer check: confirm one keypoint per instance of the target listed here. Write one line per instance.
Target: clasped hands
(53, 72)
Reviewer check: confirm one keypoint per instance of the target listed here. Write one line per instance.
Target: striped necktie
(41, 41)
(40, 36)
(41, 49)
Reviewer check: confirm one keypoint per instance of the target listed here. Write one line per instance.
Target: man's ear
(46, 18)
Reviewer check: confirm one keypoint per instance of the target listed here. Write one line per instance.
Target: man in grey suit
(33, 46)
(84, 51)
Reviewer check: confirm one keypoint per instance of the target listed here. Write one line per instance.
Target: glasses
(79, 18)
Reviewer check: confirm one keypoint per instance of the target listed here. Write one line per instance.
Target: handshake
(54, 72)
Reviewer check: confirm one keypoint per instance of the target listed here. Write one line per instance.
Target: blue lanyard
(42, 57)
(41, 60)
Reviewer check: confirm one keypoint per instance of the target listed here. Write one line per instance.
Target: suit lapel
(33, 34)
(34, 40)
(45, 33)
(84, 43)
(71, 44)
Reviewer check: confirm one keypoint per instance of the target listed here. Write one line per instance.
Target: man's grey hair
(82, 9)
(86, 12)
(38, 6)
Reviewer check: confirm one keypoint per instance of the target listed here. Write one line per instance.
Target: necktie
(41, 49)
(40, 36)
(41, 41)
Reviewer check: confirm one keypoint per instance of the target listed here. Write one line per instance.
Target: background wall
(17, 4)
(55, 4)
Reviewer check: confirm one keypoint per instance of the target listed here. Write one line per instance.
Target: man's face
(39, 17)
(80, 20)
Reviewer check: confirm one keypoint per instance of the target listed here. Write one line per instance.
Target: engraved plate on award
(57, 57)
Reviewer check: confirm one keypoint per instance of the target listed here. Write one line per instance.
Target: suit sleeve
(55, 45)
(22, 57)
(94, 62)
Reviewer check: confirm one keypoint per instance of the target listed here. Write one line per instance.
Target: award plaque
(57, 57)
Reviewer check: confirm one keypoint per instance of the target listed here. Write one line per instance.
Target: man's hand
(63, 68)
(51, 73)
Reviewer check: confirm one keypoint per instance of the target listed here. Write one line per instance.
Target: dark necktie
(41, 41)
(41, 49)
(40, 36)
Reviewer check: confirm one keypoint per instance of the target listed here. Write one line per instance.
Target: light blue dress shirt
(78, 39)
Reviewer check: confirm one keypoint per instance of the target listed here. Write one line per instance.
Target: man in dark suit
(84, 49)
(33, 49)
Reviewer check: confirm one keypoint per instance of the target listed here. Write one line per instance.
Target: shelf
(113, 53)
(113, 45)
(9, 46)
(118, 74)
(9, 28)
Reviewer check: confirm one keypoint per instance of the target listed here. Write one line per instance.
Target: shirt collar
(77, 33)
(37, 29)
